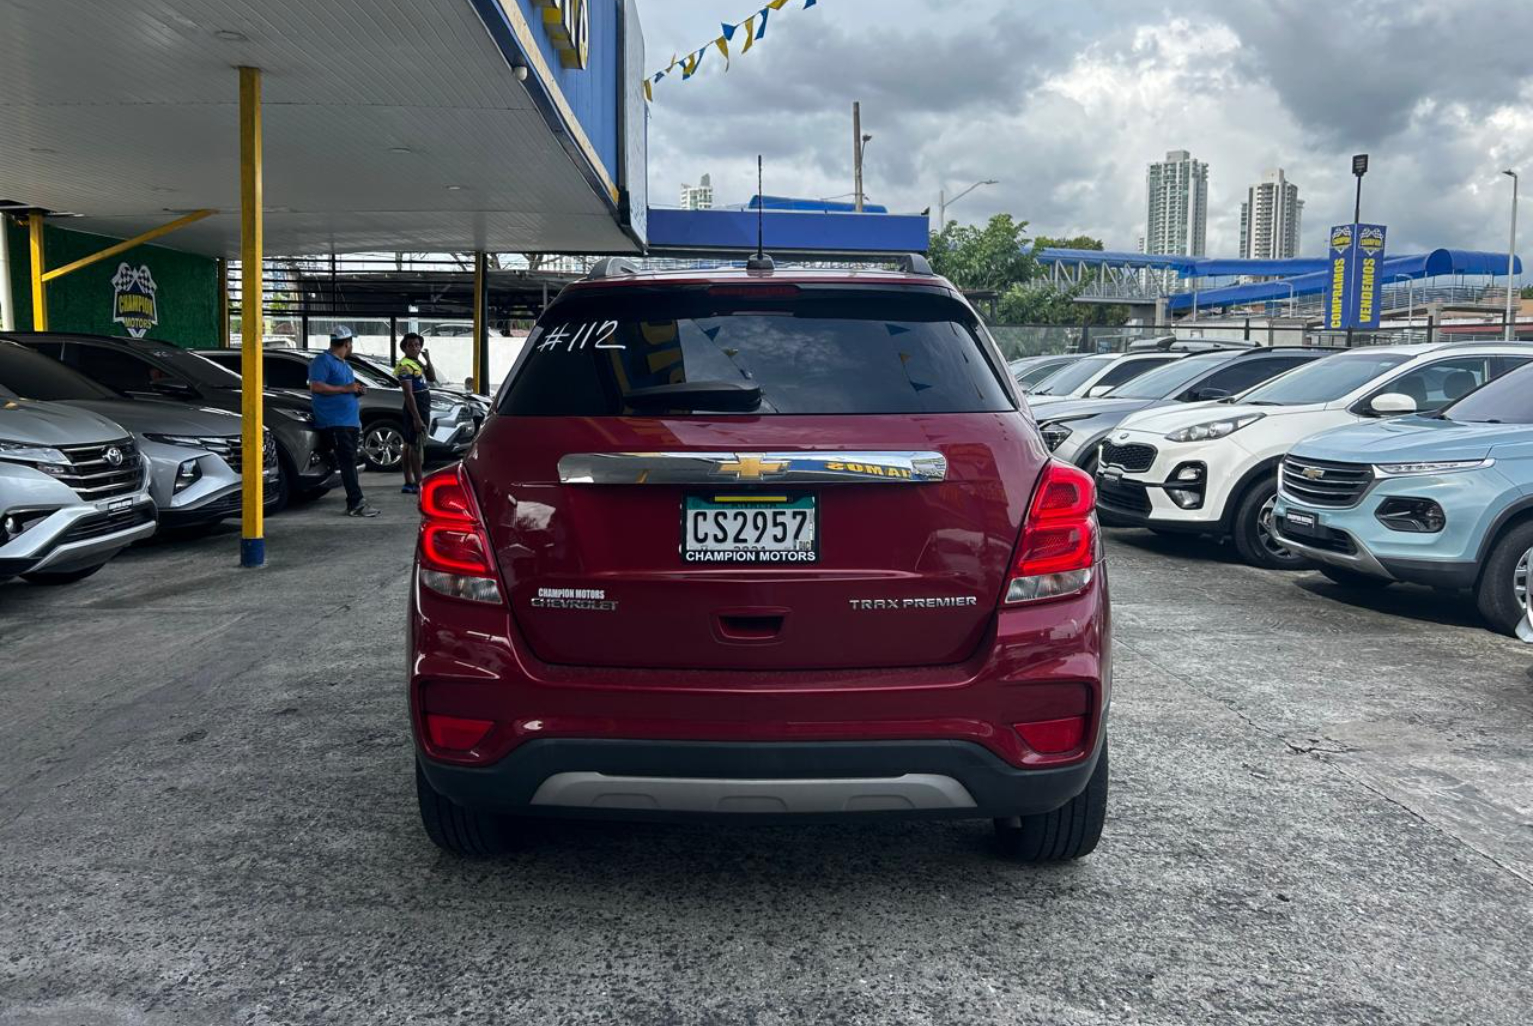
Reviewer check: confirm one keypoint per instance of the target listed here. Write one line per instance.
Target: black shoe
(363, 510)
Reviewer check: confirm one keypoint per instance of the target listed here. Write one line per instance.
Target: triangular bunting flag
(729, 30)
(723, 45)
(810, 3)
(649, 90)
(750, 34)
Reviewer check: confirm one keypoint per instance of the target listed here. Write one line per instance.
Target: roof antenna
(760, 262)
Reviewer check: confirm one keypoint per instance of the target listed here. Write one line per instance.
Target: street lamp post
(943, 202)
(1511, 255)
(860, 142)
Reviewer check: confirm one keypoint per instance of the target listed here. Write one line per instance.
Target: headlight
(1214, 428)
(301, 416)
(1439, 467)
(190, 441)
(1054, 434)
(441, 405)
(26, 452)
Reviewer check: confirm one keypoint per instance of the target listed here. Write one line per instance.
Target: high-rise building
(699, 196)
(1177, 218)
(1270, 219)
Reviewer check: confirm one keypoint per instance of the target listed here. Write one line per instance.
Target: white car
(1212, 468)
(1092, 376)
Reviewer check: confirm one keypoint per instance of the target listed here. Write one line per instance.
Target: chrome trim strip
(729, 468)
(911, 791)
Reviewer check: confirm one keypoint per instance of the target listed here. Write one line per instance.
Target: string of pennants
(754, 29)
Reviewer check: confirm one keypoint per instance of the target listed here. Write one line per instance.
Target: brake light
(454, 553)
(755, 291)
(1060, 539)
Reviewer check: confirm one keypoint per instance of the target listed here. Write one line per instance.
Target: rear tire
(1504, 574)
(1352, 579)
(1252, 530)
(286, 475)
(51, 577)
(383, 444)
(456, 830)
(1069, 832)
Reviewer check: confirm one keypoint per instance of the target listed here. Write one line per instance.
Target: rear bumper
(781, 780)
(683, 739)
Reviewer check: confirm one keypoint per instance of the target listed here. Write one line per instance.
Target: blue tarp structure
(1298, 276)
(705, 233)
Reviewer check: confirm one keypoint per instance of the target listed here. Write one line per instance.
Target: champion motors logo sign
(133, 299)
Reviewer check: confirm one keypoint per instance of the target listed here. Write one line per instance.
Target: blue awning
(812, 205)
(1413, 265)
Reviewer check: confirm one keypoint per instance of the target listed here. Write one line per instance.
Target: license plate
(119, 504)
(750, 529)
(1113, 474)
(1305, 521)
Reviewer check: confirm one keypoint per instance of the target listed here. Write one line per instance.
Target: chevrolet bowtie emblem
(751, 468)
(1313, 473)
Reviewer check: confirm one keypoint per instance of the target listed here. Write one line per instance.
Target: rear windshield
(1069, 378)
(1324, 381)
(815, 351)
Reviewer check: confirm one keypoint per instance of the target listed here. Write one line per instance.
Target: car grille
(94, 477)
(1321, 483)
(233, 453)
(1118, 496)
(99, 524)
(1132, 457)
(1325, 538)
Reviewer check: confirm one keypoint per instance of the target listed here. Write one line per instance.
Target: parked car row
(103, 441)
(1390, 463)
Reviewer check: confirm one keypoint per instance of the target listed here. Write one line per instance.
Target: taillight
(1059, 541)
(454, 554)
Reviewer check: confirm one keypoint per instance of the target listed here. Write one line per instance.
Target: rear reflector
(1053, 737)
(455, 734)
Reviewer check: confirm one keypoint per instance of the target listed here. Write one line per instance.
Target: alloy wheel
(1268, 539)
(384, 446)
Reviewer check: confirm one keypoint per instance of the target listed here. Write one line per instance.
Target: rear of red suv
(766, 545)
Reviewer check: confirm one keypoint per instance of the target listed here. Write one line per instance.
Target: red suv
(761, 544)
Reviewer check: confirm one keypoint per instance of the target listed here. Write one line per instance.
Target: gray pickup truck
(74, 492)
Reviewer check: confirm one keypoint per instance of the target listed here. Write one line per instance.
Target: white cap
(340, 333)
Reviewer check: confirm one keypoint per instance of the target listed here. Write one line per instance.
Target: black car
(451, 427)
(144, 368)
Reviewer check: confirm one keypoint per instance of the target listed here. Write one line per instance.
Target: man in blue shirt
(336, 416)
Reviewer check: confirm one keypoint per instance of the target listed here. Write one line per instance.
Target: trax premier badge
(940, 602)
(591, 600)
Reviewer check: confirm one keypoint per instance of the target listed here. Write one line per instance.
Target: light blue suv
(1443, 499)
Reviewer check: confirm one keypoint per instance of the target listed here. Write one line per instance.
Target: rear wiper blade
(732, 396)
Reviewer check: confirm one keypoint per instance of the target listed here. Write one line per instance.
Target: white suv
(1211, 468)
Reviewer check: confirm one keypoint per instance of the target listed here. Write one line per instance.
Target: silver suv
(73, 492)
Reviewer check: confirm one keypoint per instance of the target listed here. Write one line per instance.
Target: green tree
(988, 259)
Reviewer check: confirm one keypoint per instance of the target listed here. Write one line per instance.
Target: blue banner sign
(1356, 256)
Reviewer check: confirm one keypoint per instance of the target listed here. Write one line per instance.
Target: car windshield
(199, 368)
(1506, 400)
(792, 351)
(32, 375)
(1071, 377)
(1170, 379)
(1325, 381)
(371, 373)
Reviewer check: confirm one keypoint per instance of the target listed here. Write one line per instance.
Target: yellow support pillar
(252, 326)
(481, 341)
(39, 293)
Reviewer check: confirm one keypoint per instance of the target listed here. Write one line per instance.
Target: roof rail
(913, 263)
(611, 267)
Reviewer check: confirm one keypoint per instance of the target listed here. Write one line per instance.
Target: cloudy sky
(1066, 104)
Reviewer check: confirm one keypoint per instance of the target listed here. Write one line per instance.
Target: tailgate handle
(750, 626)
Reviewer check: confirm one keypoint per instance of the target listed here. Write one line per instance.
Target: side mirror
(1202, 395)
(1097, 390)
(1391, 403)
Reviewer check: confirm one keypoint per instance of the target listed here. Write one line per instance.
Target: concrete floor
(1322, 812)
